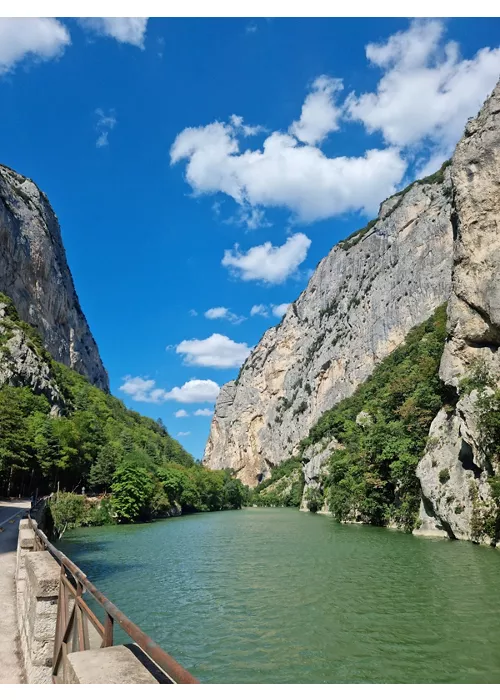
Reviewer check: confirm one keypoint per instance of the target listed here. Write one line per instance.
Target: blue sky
(170, 208)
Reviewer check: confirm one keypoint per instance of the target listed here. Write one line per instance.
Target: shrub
(444, 476)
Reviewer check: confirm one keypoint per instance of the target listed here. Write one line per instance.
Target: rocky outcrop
(359, 305)
(34, 273)
(22, 365)
(455, 468)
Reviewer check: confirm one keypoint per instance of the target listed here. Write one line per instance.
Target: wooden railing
(79, 629)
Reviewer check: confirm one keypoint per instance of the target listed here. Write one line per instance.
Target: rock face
(21, 365)
(34, 273)
(473, 333)
(359, 305)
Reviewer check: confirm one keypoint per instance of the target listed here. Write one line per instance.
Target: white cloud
(259, 310)
(221, 312)
(139, 389)
(181, 434)
(320, 115)
(422, 101)
(106, 122)
(263, 310)
(280, 310)
(427, 92)
(216, 351)
(193, 312)
(216, 312)
(285, 173)
(240, 127)
(126, 30)
(268, 263)
(181, 413)
(203, 412)
(194, 391)
(39, 38)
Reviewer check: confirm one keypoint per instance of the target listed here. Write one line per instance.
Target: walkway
(10, 664)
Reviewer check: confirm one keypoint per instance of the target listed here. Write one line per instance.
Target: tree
(133, 487)
(103, 469)
(67, 510)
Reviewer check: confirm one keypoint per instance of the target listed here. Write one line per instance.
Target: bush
(444, 476)
(67, 511)
(314, 499)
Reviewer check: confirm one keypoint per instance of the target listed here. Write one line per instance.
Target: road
(10, 664)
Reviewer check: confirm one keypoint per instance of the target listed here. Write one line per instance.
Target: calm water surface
(277, 596)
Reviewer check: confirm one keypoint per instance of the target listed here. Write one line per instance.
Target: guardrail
(73, 631)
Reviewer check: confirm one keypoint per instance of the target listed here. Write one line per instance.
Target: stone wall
(37, 581)
(37, 590)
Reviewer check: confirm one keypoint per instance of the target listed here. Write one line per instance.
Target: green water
(278, 596)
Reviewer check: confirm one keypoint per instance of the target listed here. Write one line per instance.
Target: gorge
(435, 242)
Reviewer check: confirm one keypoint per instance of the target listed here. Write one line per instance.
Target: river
(278, 596)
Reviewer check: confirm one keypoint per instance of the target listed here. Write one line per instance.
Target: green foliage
(283, 488)
(478, 378)
(67, 511)
(101, 445)
(70, 510)
(372, 479)
(444, 476)
(300, 408)
(314, 499)
(133, 487)
(357, 236)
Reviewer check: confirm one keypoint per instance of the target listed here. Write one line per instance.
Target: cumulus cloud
(422, 101)
(427, 92)
(285, 173)
(268, 263)
(193, 312)
(259, 310)
(221, 312)
(181, 413)
(320, 115)
(126, 30)
(203, 412)
(194, 391)
(38, 38)
(216, 351)
(280, 310)
(183, 434)
(106, 122)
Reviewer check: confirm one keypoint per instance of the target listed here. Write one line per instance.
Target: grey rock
(357, 308)
(34, 273)
(20, 365)
(473, 330)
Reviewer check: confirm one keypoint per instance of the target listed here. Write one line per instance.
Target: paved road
(10, 665)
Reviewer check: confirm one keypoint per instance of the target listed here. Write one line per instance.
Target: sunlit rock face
(455, 469)
(34, 273)
(358, 306)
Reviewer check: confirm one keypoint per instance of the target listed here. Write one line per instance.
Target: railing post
(107, 640)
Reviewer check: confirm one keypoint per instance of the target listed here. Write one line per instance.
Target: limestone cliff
(359, 305)
(454, 474)
(34, 273)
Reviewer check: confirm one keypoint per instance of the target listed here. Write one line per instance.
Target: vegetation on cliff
(382, 429)
(94, 442)
(371, 478)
